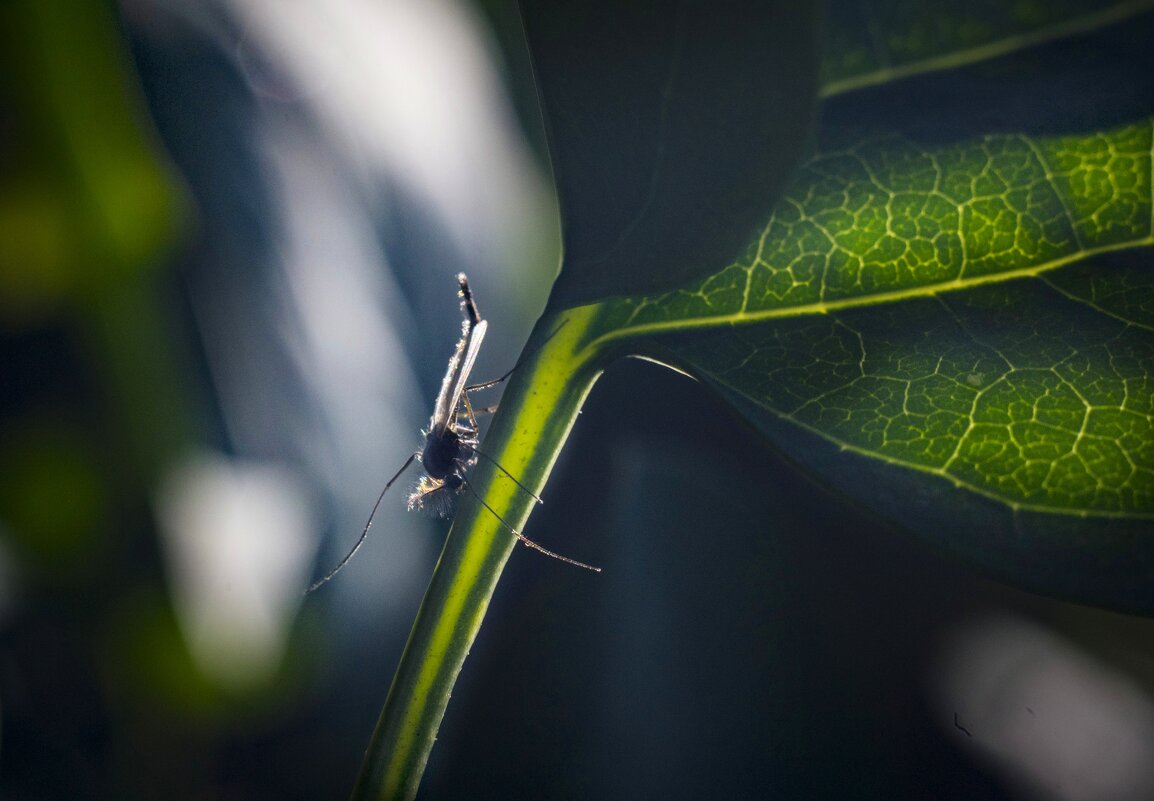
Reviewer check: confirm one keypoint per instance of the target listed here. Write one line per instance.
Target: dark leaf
(672, 129)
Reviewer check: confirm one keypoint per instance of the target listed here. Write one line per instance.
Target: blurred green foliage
(86, 200)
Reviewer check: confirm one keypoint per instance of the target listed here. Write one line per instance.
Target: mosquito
(450, 450)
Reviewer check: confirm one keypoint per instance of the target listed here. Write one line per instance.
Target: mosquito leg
(497, 464)
(365, 533)
(521, 361)
(472, 414)
(525, 540)
(493, 383)
(469, 409)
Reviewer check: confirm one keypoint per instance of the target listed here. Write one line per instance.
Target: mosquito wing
(457, 376)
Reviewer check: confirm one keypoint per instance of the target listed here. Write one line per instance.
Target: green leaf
(672, 129)
(959, 334)
(886, 219)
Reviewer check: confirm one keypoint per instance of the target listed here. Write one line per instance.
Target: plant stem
(537, 411)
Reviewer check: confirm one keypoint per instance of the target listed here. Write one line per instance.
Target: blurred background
(229, 232)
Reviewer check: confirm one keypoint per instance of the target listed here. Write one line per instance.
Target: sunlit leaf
(960, 334)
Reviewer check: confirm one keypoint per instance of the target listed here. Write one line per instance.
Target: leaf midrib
(1011, 44)
(743, 317)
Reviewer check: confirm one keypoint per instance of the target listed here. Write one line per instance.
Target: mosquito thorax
(442, 452)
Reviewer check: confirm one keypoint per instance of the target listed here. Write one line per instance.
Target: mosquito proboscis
(451, 442)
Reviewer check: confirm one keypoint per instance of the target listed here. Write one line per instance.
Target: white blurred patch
(239, 543)
(343, 325)
(1057, 723)
(405, 88)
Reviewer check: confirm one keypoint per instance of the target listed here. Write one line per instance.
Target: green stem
(537, 411)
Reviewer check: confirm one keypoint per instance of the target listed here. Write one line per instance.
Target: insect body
(450, 450)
